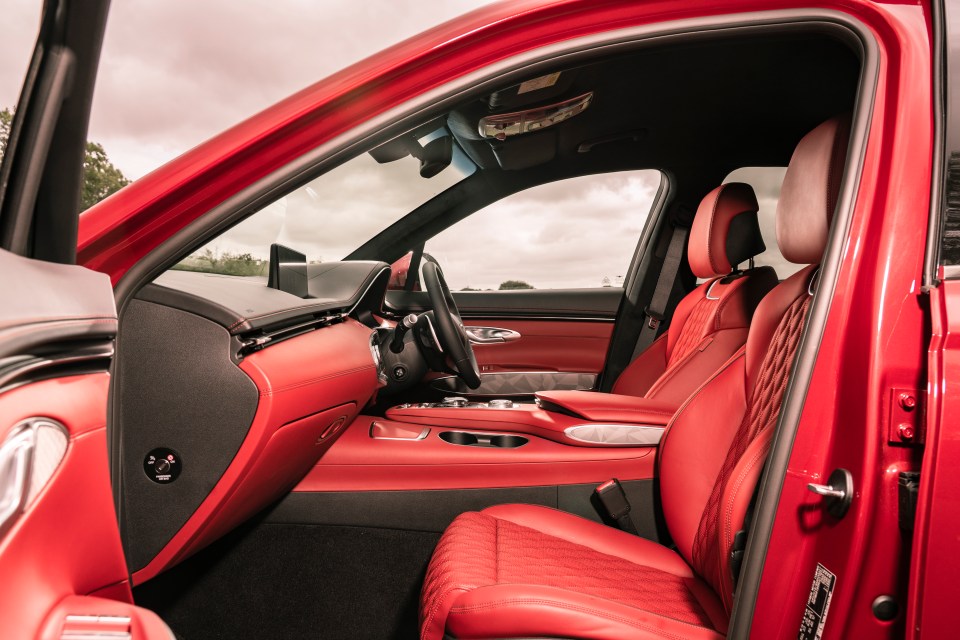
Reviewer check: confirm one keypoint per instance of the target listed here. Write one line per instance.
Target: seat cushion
(528, 571)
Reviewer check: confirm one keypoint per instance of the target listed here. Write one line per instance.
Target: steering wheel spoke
(450, 332)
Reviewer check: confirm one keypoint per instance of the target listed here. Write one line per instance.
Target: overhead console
(228, 392)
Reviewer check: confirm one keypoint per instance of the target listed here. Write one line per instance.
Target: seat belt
(739, 547)
(656, 310)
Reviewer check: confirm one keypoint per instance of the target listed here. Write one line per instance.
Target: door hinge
(905, 417)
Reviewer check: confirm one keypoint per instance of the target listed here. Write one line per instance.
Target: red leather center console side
(572, 408)
(357, 462)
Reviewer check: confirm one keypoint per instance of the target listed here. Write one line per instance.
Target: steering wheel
(450, 332)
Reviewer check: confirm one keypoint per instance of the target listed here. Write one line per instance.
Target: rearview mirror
(436, 156)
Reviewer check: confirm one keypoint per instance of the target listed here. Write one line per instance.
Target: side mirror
(436, 156)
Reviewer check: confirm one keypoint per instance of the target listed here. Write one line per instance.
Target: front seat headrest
(810, 190)
(725, 231)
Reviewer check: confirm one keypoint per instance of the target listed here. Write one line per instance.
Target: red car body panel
(934, 563)
(875, 338)
(874, 341)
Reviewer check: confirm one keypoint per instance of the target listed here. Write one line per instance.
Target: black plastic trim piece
(433, 510)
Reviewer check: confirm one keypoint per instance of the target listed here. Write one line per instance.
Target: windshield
(329, 217)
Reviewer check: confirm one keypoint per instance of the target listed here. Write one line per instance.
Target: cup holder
(468, 439)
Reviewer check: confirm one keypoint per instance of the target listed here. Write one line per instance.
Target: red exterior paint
(874, 340)
(67, 543)
(934, 565)
(308, 384)
(357, 462)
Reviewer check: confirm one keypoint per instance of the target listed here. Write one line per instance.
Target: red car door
(60, 556)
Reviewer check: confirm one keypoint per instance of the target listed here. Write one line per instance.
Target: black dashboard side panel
(177, 389)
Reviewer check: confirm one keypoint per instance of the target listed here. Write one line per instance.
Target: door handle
(16, 454)
(490, 335)
(837, 493)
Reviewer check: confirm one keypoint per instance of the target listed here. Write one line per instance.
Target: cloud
(175, 73)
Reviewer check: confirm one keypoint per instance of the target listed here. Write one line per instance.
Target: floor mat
(296, 581)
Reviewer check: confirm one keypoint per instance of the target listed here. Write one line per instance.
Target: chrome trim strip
(491, 335)
(616, 435)
(710, 289)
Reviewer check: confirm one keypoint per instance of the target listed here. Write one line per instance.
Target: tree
(511, 285)
(100, 177)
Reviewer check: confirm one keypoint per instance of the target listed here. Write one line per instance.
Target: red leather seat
(711, 322)
(524, 571)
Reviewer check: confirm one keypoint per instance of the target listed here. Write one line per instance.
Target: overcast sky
(176, 72)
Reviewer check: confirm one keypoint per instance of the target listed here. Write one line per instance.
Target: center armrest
(608, 407)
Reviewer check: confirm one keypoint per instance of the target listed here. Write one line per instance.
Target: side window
(766, 182)
(575, 233)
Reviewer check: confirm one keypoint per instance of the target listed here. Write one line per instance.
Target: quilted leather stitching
(521, 555)
(694, 330)
(762, 411)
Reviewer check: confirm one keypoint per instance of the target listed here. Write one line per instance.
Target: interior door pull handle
(837, 492)
(491, 335)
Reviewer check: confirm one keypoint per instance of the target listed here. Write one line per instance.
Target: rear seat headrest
(810, 190)
(725, 231)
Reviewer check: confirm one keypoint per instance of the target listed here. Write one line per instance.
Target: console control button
(500, 403)
(454, 402)
(162, 465)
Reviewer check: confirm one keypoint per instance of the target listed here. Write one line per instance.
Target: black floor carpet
(296, 581)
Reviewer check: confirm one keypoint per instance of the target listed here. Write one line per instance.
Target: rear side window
(570, 234)
(766, 182)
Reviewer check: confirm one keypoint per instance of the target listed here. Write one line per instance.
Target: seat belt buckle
(653, 318)
(613, 498)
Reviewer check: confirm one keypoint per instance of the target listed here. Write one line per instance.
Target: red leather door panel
(66, 542)
(578, 346)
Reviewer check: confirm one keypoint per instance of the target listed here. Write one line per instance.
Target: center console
(577, 418)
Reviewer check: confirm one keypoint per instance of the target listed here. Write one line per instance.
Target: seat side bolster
(735, 500)
(644, 371)
(523, 610)
(693, 449)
